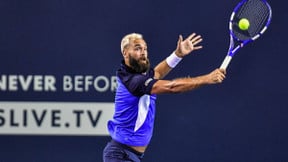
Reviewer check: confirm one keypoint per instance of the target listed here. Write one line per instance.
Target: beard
(138, 65)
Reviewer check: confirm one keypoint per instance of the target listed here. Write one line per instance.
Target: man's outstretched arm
(187, 84)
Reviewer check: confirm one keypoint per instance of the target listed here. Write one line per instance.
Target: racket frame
(241, 43)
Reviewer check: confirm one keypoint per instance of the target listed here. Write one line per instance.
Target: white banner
(55, 118)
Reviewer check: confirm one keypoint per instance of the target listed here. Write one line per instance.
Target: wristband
(173, 60)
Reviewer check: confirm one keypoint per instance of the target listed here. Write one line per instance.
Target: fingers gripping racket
(257, 15)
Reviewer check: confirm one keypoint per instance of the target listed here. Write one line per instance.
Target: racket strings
(257, 12)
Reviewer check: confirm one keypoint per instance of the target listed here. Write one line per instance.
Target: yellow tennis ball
(243, 24)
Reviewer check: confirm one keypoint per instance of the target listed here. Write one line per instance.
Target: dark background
(243, 119)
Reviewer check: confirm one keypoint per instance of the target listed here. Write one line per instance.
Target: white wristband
(173, 60)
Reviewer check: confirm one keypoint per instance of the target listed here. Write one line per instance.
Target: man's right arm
(187, 84)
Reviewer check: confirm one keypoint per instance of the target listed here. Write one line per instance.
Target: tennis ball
(243, 24)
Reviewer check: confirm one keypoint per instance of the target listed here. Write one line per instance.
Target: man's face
(137, 56)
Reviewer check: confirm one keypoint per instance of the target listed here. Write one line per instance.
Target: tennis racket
(258, 13)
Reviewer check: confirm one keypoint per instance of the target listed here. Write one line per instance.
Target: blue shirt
(133, 120)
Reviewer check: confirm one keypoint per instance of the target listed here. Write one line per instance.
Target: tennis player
(132, 125)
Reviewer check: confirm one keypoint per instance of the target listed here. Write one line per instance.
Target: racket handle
(226, 62)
